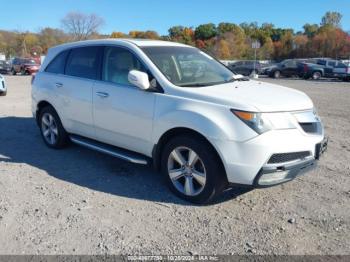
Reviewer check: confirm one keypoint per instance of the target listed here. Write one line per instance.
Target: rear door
(74, 89)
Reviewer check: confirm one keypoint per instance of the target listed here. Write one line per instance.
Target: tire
(199, 182)
(316, 75)
(3, 93)
(277, 74)
(51, 128)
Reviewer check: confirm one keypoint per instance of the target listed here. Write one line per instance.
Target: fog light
(272, 178)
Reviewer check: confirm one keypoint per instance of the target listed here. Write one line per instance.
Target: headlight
(255, 121)
(263, 122)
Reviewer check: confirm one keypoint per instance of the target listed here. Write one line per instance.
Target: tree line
(225, 40)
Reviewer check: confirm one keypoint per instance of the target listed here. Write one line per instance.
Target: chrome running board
(109, 150)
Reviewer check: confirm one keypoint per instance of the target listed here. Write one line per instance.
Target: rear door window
(84, 62)
(57, 64)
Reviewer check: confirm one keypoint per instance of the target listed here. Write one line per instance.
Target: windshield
(187, 66)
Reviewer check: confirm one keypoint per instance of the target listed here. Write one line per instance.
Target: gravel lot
(77, 201)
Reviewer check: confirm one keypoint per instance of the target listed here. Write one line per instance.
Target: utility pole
(255, 46)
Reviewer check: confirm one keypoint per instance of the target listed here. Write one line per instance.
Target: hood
(253, 96)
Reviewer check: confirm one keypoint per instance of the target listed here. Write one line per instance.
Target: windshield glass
(187, 66)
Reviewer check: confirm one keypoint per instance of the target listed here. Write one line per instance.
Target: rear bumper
(31, 70)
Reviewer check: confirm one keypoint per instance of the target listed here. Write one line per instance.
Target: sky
(158, 15)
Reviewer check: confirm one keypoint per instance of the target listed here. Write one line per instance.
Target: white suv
(202, 126)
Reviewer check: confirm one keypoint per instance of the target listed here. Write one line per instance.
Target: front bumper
(274, 174)
(247, 163)
(271, 175)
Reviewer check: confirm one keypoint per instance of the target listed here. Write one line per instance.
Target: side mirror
(139, 79)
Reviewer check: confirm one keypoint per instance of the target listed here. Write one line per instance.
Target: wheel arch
(178, 131)
(40, 106)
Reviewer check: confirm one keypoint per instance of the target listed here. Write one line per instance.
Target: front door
(123, 113)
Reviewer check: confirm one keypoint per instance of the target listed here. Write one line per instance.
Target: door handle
(102, 94)
(58, 85)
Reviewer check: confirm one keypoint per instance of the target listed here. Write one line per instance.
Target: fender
(211, 120)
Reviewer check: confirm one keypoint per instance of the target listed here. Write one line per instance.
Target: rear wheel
(192, 169)
(277, 74)
(316, 75)
(51, 128)
(3, 93)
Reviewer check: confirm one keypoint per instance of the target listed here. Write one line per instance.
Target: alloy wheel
(186, 171)
(316, 76)
(49, 128)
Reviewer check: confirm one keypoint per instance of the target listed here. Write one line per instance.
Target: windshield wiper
(193, 85)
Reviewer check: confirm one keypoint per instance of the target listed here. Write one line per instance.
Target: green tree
(310, 30)
(205, 31)
(332, 19)
(49, 37)
(226, 27)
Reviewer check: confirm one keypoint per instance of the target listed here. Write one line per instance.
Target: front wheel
(51, 128)
(192, 169)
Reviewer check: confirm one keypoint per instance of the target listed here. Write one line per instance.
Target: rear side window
(57, 64)
(83, 62)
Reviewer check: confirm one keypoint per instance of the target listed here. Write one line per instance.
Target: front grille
(287, 157)
(313, 127)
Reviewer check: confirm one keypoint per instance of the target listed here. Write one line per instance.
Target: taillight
(33, 77)
(305, 68)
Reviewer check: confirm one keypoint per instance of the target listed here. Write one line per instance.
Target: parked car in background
(246, 67)
(5, 67)
(286, 68)
(3, 89)
(315, 71)
(327, 64)
(25, 66)
(342, 71)
(204, 127)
